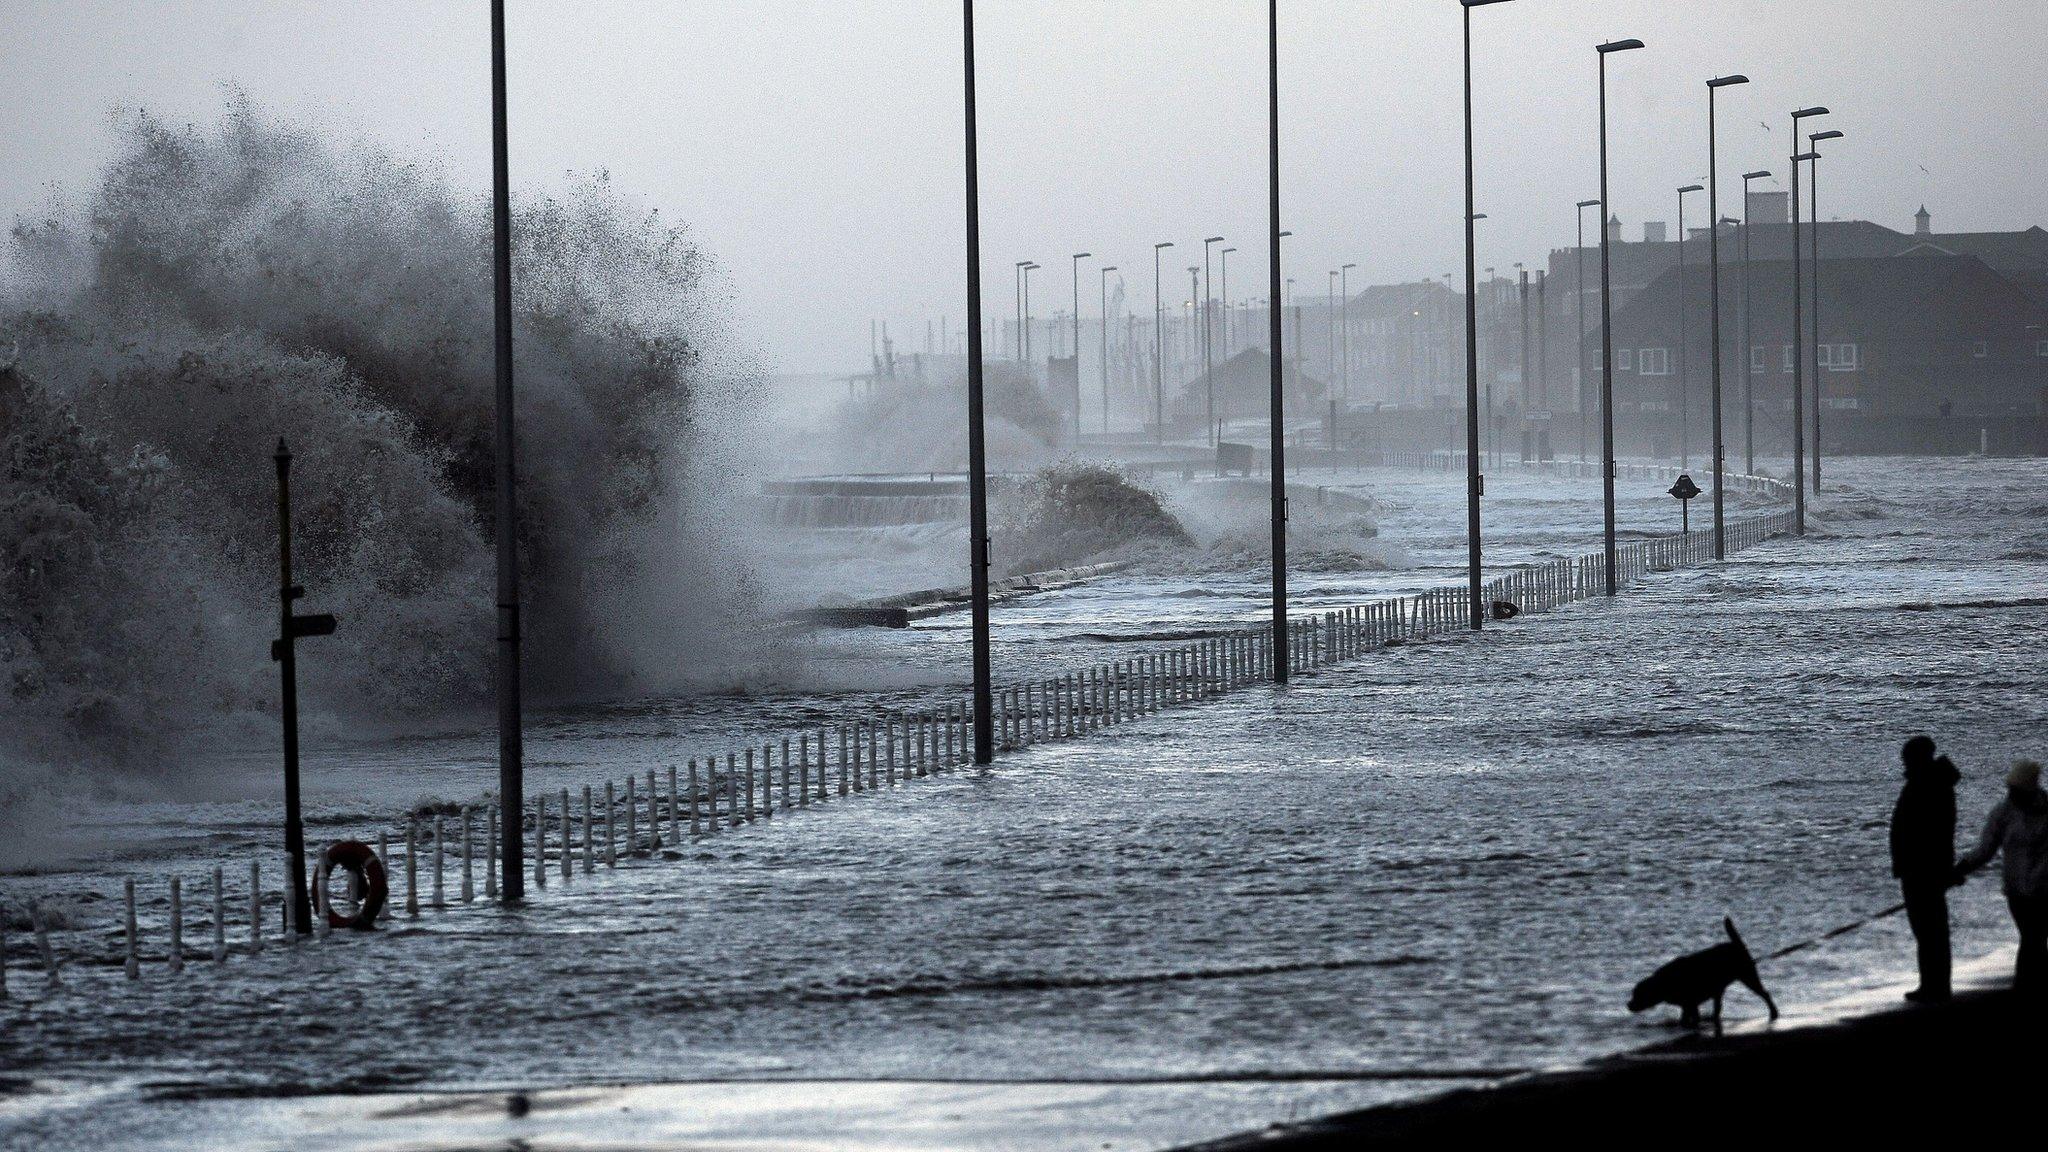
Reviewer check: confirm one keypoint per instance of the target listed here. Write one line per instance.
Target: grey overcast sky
(815, 146)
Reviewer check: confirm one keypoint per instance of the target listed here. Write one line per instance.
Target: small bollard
(803, 770)
(220, 919)
(319, 910)
(255, 906)
(889, 744)
(490, 850)
(675, 811)
(732, 788)
(632, 818)
(468, 865)
(748, 781)
(785, 773)
(412, 871)
(177, 926)
(384, 856)
(438, 886)
(842, 761)
(562, 802)
(611, 841)
(588, 858)
(133, 964)
(540, 840)
(695, 831)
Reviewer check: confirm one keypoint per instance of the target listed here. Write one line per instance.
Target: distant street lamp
(1333, 298)
(1344, 273)
(1077, 258)
(1475, 485)
(1208, 342)
(1580, 253)
(1158, 348)
(1224, 257)
(1017, 283)
(1748, 335)
(1029, 268)
(1714, 289)
(1104, 360)
(1798, 335)
(1607, 325)
(1813, 192)
(1684, 391)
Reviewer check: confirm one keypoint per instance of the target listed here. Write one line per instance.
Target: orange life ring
(362, 863)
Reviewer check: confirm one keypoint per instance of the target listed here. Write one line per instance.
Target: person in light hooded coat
(2018, 829)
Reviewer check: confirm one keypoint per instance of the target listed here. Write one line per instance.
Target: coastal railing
(575, 833)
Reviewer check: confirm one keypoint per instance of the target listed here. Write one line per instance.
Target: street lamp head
(1166, 244)
(1757, 175)
(1803, 157)
(1691, 188)
(1083, 255)
(1585, 204)
(1347, 267)
(1803, 113)
(1108, 270)
(1727, 81)
(1212, 240)
(1284, 234)
(1481, 3)
(1817, 137)
(1619, 46)
(1479, 216)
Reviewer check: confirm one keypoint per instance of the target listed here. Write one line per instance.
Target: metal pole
(1748, 345)
(1607, 333)
(1684, 406)
(511, 771)
(1278, 397)
(1580, 292)
(977, 462)
(1158, 350)
(1714, 259)
(1105, 348)
(1078, 257)
(1344, 279)
(1813, 194)
(1208, 342)
(294, 825)
(1474, 483)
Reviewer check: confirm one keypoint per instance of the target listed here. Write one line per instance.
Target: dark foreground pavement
(1972, 1067)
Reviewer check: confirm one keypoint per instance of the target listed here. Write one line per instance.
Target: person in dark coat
(1923, 859)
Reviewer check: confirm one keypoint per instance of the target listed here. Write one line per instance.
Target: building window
(1838, 357)
(1654, 362)
(1625, 360)
(1788, 357)
(1845, 403)
(1757, 361)
(1981, 349)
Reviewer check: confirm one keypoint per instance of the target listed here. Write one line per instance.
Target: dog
(1690, 981)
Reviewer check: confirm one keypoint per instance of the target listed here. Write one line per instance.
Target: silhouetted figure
(2018, 828)
(1924, 859)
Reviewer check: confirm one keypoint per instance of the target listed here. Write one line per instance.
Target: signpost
(290, 628)
(1685, 490)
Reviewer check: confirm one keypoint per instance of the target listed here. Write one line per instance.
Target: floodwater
(1442, 860)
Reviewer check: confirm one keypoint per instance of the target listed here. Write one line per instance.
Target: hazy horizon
(815, 149)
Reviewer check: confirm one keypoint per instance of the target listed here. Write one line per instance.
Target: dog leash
(1844, 930)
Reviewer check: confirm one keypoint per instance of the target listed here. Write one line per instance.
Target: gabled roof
(1250, 373)
(1920, 297)
(2005, 251)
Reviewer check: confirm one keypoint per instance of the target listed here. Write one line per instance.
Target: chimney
(1923, 224)
(1614, 229)
(1654, 232)
(1769, 208)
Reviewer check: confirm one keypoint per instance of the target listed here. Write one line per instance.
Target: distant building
(1923, 333)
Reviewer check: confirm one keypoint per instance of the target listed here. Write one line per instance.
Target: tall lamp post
(1813, 193)
(1714, 290)
(1798, 335)
(1278, 433)
(511, 748)
(1580, 292)
(1607, 325)
(1748, 336)
(1030, 266)
(1077, 258)
(1344, 289)
(977, 459)
(1684, 381)
(1224, 258)
(1017, 282)
(1208, 341)
(1104, 355)
(1158, 349)
(1333, 298)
